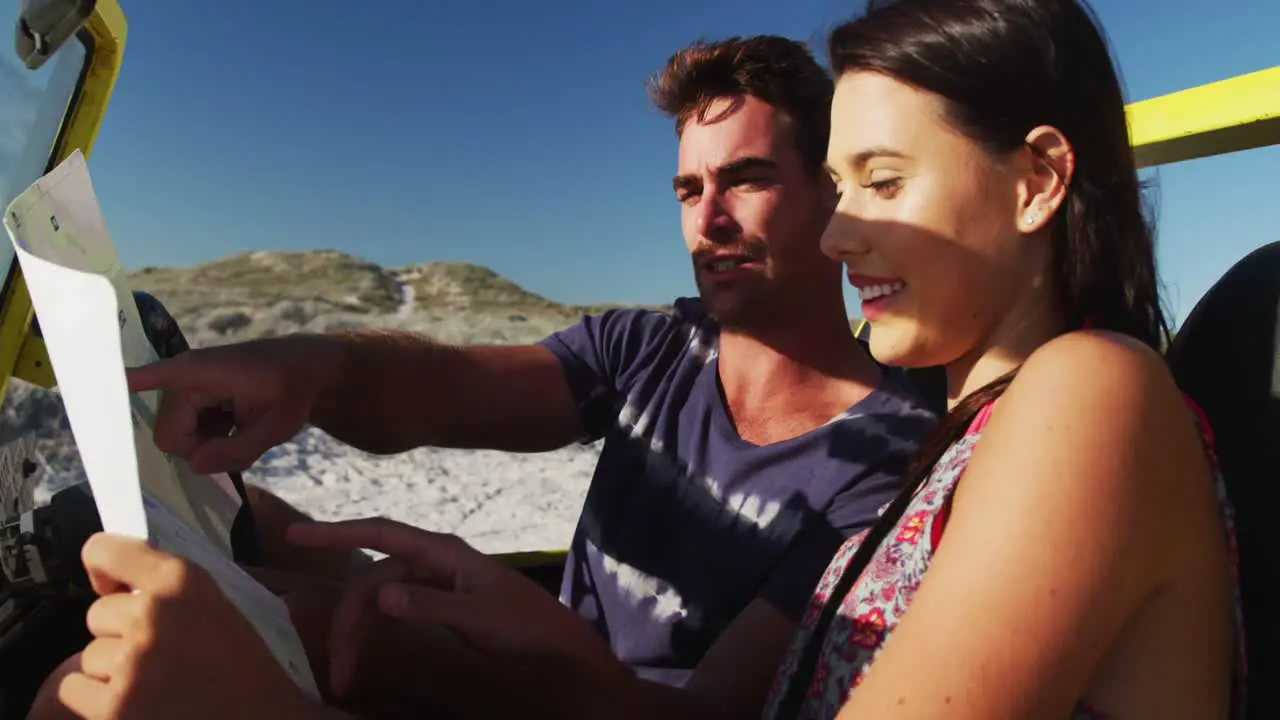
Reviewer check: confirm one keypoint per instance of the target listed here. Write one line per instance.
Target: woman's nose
(844, 237)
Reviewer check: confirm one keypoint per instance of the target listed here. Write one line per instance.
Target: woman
(1062, 548)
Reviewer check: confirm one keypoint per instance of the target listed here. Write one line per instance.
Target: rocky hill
(262, 294)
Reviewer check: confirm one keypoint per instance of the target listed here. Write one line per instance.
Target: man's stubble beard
(757, 307)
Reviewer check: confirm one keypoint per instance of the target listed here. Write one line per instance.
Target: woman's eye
(886, 188)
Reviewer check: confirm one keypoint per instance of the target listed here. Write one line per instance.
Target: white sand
(497, 501)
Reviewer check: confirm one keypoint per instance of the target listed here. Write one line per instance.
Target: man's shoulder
(616, 347)
(683, 322)
(681, 312)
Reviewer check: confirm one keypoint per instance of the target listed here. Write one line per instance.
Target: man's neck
(783, 381)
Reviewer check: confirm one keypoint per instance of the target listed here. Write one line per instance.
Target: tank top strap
(1241, 673)
(981, 419)
(1206, 430)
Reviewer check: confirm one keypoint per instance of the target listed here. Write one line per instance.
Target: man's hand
(311, 600)
(431, 580)
(398, 669)
(267, 387)
(169, 644)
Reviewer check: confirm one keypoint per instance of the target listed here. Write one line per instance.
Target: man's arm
(386, 392)
(396, 391)
(733, 678)
(730, 683)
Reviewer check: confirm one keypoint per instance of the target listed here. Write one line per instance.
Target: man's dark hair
(776, 70)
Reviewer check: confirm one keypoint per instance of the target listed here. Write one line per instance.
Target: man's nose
(714, 221)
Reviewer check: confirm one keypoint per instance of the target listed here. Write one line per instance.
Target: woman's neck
(1022, 329)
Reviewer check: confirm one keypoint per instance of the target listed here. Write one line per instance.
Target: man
(747, 433)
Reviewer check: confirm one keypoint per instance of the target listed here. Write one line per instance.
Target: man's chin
(732, 310)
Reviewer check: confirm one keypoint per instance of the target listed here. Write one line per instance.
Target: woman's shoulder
(1104, 404)
(1102, 377)
(1099, 358)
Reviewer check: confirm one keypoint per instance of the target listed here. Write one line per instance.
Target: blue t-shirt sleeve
(602, 356)
(790, 586)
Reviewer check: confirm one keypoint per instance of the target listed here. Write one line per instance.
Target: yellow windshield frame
(22, 354)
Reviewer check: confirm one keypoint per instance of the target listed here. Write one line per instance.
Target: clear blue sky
(518, 135)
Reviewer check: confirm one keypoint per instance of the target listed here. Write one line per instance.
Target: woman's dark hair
(1002, 68)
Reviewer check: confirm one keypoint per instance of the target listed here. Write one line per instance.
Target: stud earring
(1031, 219)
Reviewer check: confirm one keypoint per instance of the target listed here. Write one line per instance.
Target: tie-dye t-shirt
(685, 523)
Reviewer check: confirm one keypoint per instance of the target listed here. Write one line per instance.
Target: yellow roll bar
(1241, 113)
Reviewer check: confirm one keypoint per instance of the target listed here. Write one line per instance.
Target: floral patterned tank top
(876, 602)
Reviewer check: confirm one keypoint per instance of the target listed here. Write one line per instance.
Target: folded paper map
(92, 331)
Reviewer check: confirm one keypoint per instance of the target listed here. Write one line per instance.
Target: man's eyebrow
(732, 167)
(746, 163)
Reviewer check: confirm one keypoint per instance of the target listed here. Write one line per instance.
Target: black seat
(1225, 358)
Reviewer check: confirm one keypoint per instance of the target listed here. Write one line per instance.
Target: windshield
(32, 103)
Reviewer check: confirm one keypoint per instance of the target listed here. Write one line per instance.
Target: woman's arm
(1060, 530)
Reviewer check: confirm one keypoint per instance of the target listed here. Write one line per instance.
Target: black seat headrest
(1224, 357)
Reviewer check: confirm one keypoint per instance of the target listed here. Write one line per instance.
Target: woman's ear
(1051, 162)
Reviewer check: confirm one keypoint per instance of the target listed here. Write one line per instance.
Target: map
(92, 331)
